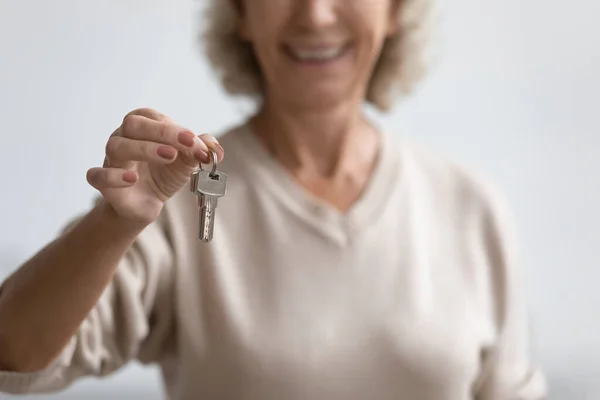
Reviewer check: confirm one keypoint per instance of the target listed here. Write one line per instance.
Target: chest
(299, 313)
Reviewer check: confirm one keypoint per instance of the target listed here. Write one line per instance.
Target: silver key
(209, 186)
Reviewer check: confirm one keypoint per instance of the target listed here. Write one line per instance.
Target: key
(209, 186)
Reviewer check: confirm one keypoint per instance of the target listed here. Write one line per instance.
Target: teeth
(318, 55)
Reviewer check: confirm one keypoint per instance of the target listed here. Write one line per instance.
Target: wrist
(110, 220)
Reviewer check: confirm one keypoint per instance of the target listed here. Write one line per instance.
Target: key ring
(215, 163)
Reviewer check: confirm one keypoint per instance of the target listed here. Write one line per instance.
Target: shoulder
(460, 193)
(453, 180)
(469, 212)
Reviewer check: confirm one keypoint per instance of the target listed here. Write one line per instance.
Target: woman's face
(317, 52)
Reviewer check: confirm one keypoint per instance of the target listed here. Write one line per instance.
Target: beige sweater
(413, 294)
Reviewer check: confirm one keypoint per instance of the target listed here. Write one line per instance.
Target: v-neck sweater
(414, 293)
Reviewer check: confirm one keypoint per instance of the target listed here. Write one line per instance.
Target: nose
(314, 14)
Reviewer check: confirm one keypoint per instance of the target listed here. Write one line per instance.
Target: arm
(508, 372)
(116, 313)
(56, 289)
(83, 304)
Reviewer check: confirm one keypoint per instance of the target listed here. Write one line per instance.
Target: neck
(325, 142)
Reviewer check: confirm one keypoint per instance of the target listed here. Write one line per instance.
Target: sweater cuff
(30, 382)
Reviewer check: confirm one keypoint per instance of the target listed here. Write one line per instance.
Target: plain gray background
(513, 94)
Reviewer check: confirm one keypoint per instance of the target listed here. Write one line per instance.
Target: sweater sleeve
(131, 320)
(508, 373)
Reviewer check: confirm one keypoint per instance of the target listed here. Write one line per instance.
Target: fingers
(152, 137)
(213, 144)
(149, 136)
(149, 113)
(121, 150)
(107, 178)
(164, 131)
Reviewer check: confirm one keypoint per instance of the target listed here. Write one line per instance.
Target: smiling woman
(346, 263)
(392, 66)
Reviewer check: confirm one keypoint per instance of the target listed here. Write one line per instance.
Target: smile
(316, 55)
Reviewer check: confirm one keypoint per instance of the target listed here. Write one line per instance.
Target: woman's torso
(294, 300)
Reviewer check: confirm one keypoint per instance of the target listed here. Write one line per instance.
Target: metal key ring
(215, 163)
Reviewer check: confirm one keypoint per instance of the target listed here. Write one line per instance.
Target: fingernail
(201, 156)
(210, 137)
(130, 177)
(219, 148)
(213, 144)
(166, 152)
(220, 151)
(186, 138)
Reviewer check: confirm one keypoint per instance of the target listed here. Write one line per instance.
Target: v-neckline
(316, 211)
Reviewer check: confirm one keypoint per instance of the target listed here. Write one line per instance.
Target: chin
(323, 94)
(321, 99)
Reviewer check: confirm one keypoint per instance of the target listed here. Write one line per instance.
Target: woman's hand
(148, 159)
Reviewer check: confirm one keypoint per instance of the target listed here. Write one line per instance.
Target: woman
(346, 264)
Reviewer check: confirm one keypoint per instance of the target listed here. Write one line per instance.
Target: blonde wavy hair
(401, 65)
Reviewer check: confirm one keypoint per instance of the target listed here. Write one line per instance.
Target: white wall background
(513, 94)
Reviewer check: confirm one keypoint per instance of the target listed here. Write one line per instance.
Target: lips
(317, 54)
